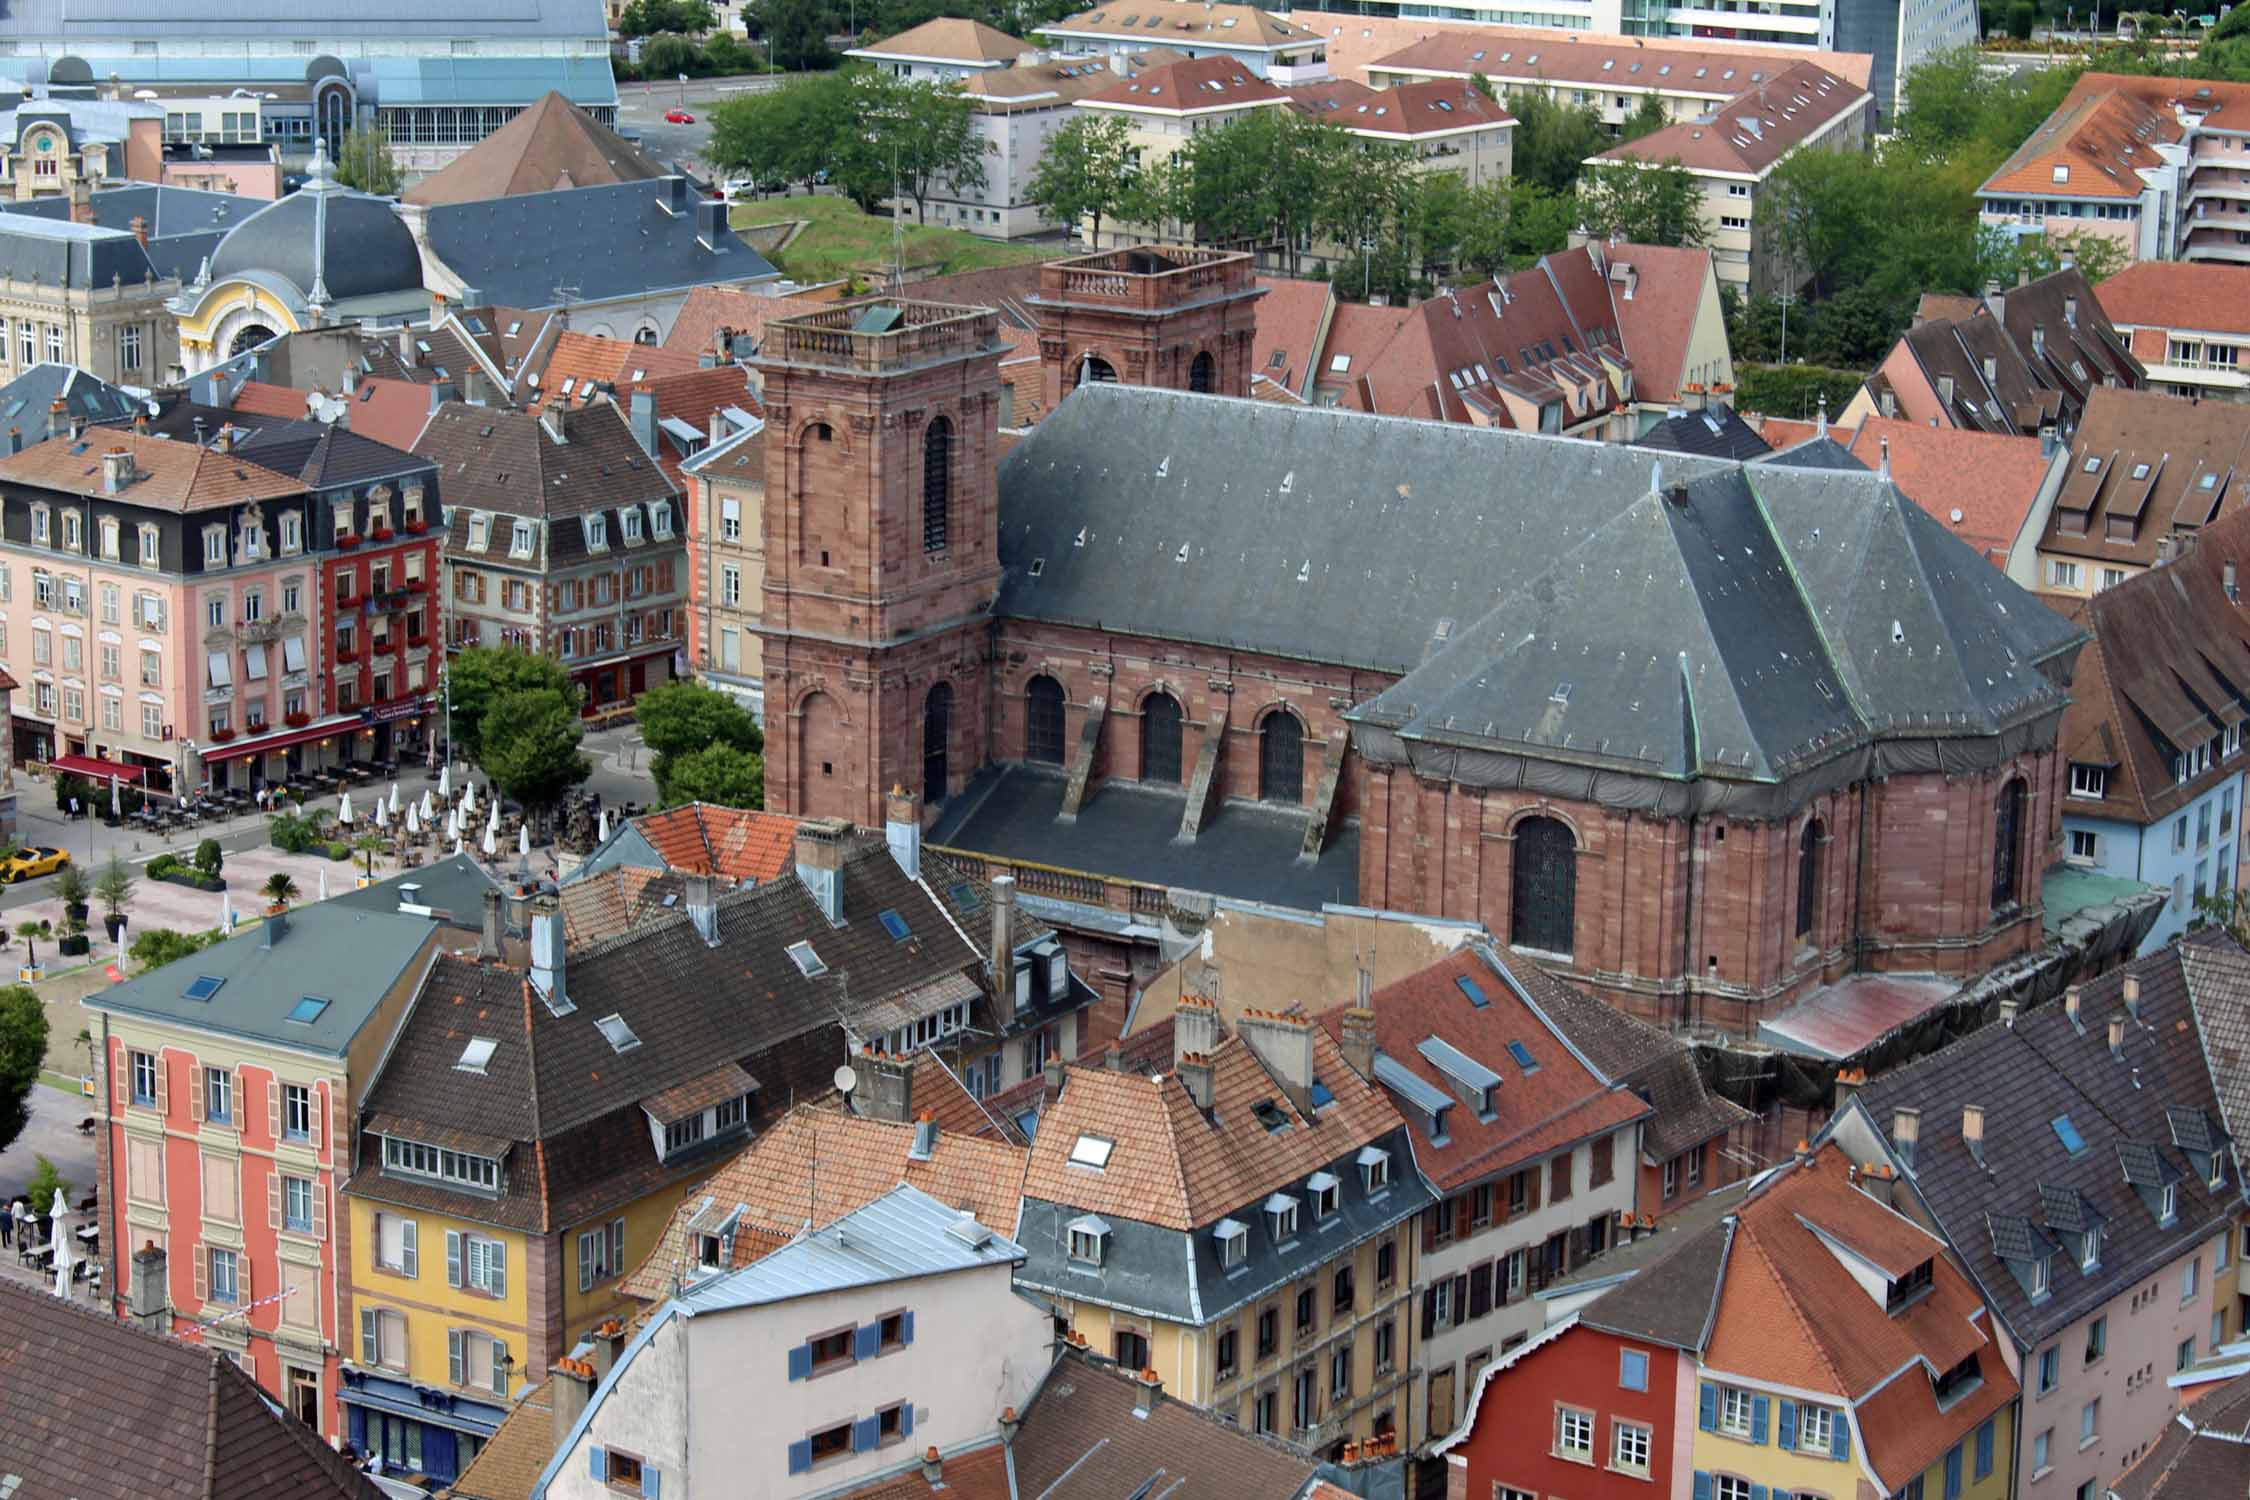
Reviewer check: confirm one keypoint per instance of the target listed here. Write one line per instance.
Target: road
(641, 107)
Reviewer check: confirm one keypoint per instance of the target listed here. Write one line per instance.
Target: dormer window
(1089, 1236)
(480, 532)
(343, 517)
(520, 544)
(2041, 1279)
(631, 517)
(597, 533)
(1958, 1381)
(2090, 1249)
(660, 519)
(1374, 1169)
(1281, 1218)
(1326, 1193)
(1908, 1288)
(1233, 1239)
(2168, 1204)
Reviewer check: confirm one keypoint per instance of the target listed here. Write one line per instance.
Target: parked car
(678, 117)
(30, 864)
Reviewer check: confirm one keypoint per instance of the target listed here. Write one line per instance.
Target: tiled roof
(1757, 127)
(1669, 287)
(1184, 23)
(2201, 1453)
(734, 843)
(609, 903)
(949, 39)
(1547, 1104)
(2101, 136)
(2196, 296)
(1678, 67)
(553, 144)
(2160, 465)
(265, 400)
(981, 1473)
(96, 1408)
(168, 474)
(941, 1097)
(511, 462)
(2219, 988)
(1188, 87)
(1059, 80)
(1292, 317)
(1674, 1299)
(509, 1464)
(579, 364)
(1979, 484)
(2029, 1075)
(390, 411)
(711, 308)
(2158, 680)
(816, 1164)
(1406, 111)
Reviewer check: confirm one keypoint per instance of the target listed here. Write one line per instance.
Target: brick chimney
(1284, 1043)
(1358, 1040)
(1148, 1391)
(495, 924)
(886, 1087)
(117, 470)
(569, 1393)
(148, 1301)
(1002, 955)
(820, 863)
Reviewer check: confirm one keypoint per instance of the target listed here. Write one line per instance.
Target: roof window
(1271, 1115)
(619, 1035)
(202, 987)
(1088, 1233)
(1233, 1239)
(808, 962)
(1523, 1057)
(2068, 1134)
(2140, 471)
(307, 1009)
(894, 924)
(1470, 988)
(2093, 464)
(1091, 1151)
(476, 1055)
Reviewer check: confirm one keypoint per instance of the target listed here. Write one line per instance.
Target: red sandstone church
(1700, 734)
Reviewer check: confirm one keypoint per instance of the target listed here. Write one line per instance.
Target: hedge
(1793, 390)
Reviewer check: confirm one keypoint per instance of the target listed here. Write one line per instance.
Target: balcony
(882, 335)
(1147, 279)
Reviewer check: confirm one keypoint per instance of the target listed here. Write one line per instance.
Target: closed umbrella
(382, 813)
(492, 824)
(445, 784)
(344, 810)
(601, 827)
(491, 842)
(61, 1244)
(324, 882)
(523, 841)
(429, 809)
(113, 796)
(413, 820)
(394, 799)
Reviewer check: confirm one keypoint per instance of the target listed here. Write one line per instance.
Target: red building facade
(1506, 1446)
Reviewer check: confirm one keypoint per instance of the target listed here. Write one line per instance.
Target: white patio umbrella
(324, 882)
(445, 784)
(601, 827)
(492, 824)
(523, 841)
(344, 810)
(113, 796)
(491, 842)
(382, 813)
(61, 1242)
(394, 799)
(226, 911)
(413, 819)
(456, 843)
(429, 808)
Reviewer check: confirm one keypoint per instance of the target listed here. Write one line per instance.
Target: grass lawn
(842, 241)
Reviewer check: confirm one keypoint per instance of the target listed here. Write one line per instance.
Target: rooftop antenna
(1823, 428)
(564, 296)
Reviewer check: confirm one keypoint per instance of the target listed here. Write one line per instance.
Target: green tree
(1649, 205)
(719, 773)
(1648, 119)
(364, 161)
(46, 1181)
(114, 887)
(23, 1046)
(1086, 171)
(2096, 256)
(670, 56)
(159, 946)
(280, 889)
(648, 17)
(796, 35)
(531, 745)
(1552, 141)
(929, 134)
(482, 675)
(683, 717)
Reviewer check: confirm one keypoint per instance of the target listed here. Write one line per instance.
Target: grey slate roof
(324, 454)
(1816, 452)
(329, 243)
(1673, 1300)
(905, 1233)
(59, 253)
(2029, 1075)
(1712, 433)
(617, 240)
(454, 885)
(340, 953)
(28, 400)
(185, 224)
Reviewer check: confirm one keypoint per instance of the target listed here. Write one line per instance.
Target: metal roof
(1404, 1081)
(903, 1234)
(1457, 1065)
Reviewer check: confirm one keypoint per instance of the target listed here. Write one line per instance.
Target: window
(1342, 1291)
(730, 585)
(597, 533)
(1043, 721)
(382, 1339)
(730, 520)
(937, 482)
(1131, 1350)
(1086, 1236)
(2050, 1369)
(1816, 1429)
(1386, 1346)
(601, 1254)
(1281, 1218)
(1731, 1487)
(620, 1470)
(2042, 1447)
(144, 1081)
(1160, 739)
(2064, 575)
(1340, 1374)
(2007, 844)
(1632, 1369)
(2191, 1281)
(831, 1442)
(2089, 1422)
(2084, 844)
(395, 1245)
(1734, 1412)
(2097, 1339)
(476, 1263)
(1808, 877)
(1574, 1434)
(225, 1283)
(129, 348)
(1269, 1331)
(297, 1204)
(218, 1096)
(1281, 758)
(1202, 373)
(1672, 1178)
(1542, 900)
(519, 544)
(1629, 1446)
(1386, 1263)
(2184, 1356)
(1374, 1171)
(417, 1159)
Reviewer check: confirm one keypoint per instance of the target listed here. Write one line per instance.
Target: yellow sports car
(30, 864)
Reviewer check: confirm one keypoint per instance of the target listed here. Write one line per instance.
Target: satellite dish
(846, 1080)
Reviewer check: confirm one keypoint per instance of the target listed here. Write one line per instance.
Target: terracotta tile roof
(2160, 465)
(584, 361)
(168, 474)
(940, 1096)
(1185, 23)
(949, 39)
(1980, 485)
(515, 1455)
(1757, 127)
(2219, 989)
(2188, 295)
(261, 399)
(96, 1408)
(1680, 67)
(734, 843)
(2200, 1454)
(389, 411)
(1189, 87)
(814, 1165)
(979, 1474)
(1407, 111)
(1658, 320)
(553, 144)
(1044, 85)
(711, 308)
(2103, 135)
(610, 903)
(1293, 316)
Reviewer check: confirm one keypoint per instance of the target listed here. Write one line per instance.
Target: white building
(836, 1359)
(1268, 45)
(946, 50)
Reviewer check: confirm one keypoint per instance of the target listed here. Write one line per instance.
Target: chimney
(1972, 1130)
(1995, 303)
(933, 1467)
(1010, 1424)
(275, 927)
(224, 442)
(2008, 1011)
(139, 226)
(2070, 312)
(199, 436)
(1991, 370)
(1848, 1083)
(886, 1087)
(925, 1138)
(643, 418)
(77, 426)
(1148, 1392)
(2117, 1037)
(2070, 1009)
(711, 222)
(2049, 440)
(148, 1302)
(2132, 993)
(703, 908)
(820, 863)
(2023, 275)
(407, 353)
(1003, 952)
(495, 920)
(1883, 465)
(607, 1342)
(547, 954)
(1358, 1036)
(1284, 1043)
(117, 470)
(902, 829)
(1906, 1130)
(568, 1393)
(442, 391)
(81, 201)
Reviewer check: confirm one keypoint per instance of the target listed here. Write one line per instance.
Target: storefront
(369, 736)
(418, 1429)
(621, 679)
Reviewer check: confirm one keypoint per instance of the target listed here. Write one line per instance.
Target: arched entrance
(249, 337)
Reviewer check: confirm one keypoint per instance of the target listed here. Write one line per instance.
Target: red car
(678, 117)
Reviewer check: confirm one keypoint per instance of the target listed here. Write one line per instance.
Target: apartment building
(227, 1087)
(85, 294)
(1732, 151)
(1166, 105)
(2154, 730)
(2186, 323)
(2073, 1159)
(565, 538)
(1017, 111)
(1449, 127)
(1241, 1224)
(946, 49)
(726, 488)
(873, 1336)
(1262, 43)
(67, 147)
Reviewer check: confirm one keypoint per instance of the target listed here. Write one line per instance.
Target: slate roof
(2029, 1075)
(553, 144)
(511, 463)
(326, 454)
(1674, 1299)
(1711, 433)
(329, 243)
(2048, 346)
(96, 1408)
(2203, 1452)
(27, 402)
(621, 240)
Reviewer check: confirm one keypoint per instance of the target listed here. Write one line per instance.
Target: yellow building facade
(1756, 1438)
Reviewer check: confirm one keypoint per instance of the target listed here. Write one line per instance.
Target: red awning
(283, 739)
(98, 769)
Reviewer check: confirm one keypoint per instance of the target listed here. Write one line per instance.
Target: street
(641, 107)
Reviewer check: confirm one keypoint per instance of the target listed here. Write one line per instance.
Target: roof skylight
(1091, 1151)
(307, 1010)
(202, 987)
(617, 1033)
(476, 1054)
(809, 963)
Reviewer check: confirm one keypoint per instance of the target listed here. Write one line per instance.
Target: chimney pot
(2071, 999)
(2008, 1010)
(933, 1468)
(2132, 991)
(1002, 956)
(1906, 1133)
(820, 863)
(2117, 1036)
(902, 829)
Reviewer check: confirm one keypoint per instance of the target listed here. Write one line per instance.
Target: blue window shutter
(1788, 1424)
(1953, 1473)
(1757, 1492)
(906, 1327)
(1840, 1439)
(1759, 1409)
(1984, 1449)
(1702, 1485)
(800, 1456)
(906, 1420)
(867, 1340)
(800, 1362)
(598, 1464)
(1707, 1417)
(652, 1486)
(866, 1433)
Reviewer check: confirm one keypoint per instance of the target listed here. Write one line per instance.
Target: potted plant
(221, 736)
(71, 885)
(296, 718)
(114, 888)
(30, 932)
(209, 858)
(279, 890)
(369, 844)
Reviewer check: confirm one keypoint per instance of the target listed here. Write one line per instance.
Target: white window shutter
(454, 1357)
(453, 1261)
(121, 1080)
(370, 1337)
(163, 1086)
(202, 1264)
(413, 1248)
(496, 1267)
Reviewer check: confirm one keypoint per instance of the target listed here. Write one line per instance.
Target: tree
(670, 56)
(648, 17)
(1552, 141)
(795, 37)
(1086, 171)
(721, 774)
(531, 746)
(280, 889)
(23, 1047)
(159, 946)
(2096, 256)
(209, 857)
(46, 1181)
(364, 161)
(928, 132)
(482, 675)
(1648, 119)
(683, 717)
(1649, 205)
(114, 888)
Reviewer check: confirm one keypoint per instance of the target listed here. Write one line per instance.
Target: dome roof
(293, 237)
